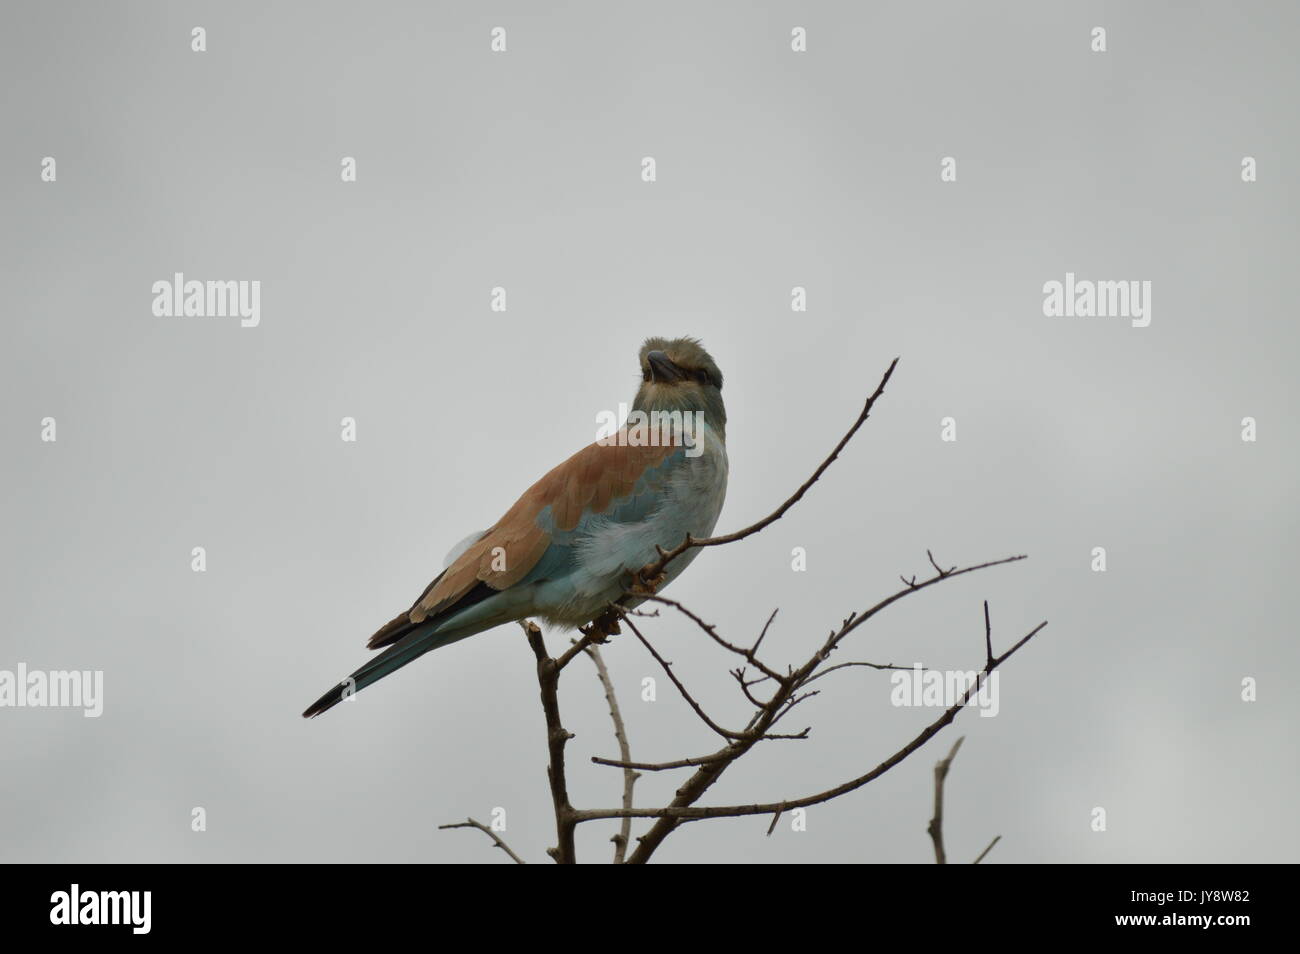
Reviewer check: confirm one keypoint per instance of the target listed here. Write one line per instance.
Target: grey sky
(774, 170)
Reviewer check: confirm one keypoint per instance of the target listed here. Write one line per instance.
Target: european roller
(568, 546)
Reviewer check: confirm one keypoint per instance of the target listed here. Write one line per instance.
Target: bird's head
(678, 374)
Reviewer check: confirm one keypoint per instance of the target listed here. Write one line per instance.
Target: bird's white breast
(692, 502)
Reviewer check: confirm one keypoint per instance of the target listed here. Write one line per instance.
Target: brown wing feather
(590, 480)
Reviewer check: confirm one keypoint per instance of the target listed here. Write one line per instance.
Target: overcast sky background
(775, 169)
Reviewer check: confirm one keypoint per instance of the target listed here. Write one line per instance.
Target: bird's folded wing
(592, 481)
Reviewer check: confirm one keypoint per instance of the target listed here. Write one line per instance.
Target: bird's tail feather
(408, 649)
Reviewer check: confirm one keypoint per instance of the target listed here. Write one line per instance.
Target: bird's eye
(645, 375)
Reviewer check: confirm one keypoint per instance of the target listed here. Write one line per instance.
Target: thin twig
(763, 635)
(988, 634)
(676, 814)
(935, 828)
(590, 637)
(739, 676)
(681, 689)
(987, 850)
(682, 807)
(471, 823)
(846, 665)
(660, 766)
(620, 733)
(858, 619)
(712, 631)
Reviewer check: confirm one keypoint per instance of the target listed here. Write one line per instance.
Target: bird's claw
(602, 627)
(645, 586)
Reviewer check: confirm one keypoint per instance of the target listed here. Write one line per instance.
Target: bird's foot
(642, 585)
(602, 627)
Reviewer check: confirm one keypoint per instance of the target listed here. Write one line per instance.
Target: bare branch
(935, 828)
(987, 850)
(682, 806)
(722, 755)
(675, 814)
(661, 766)
(846, 665)
(548, 679)
(590, 637)
(620, 734)
(739, 675)
(787, 737)
(763, 635)
(988, 635)
(711, 630)
(857, 620)
(667, 667)
(471, 823)
(942, 571)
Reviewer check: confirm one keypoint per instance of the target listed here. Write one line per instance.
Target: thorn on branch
(776, 817)
(941, 571)
(988, 638)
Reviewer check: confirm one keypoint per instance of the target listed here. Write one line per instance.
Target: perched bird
(569, 545)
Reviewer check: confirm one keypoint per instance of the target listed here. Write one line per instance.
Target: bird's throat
(668, 399)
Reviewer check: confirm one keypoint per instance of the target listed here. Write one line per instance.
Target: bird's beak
(662, 368)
